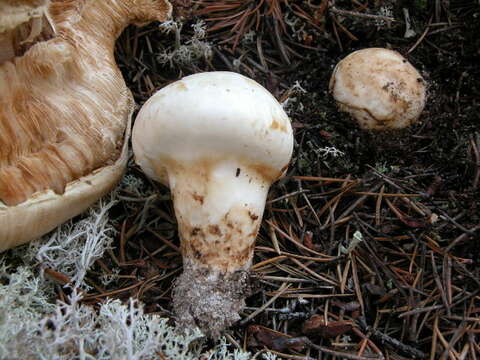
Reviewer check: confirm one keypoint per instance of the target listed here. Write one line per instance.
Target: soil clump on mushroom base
(209, 299)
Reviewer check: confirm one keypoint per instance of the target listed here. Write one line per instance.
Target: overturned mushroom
(379, 88)
(64, 113)
(218, 140)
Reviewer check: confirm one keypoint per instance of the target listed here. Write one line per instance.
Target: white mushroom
(379, 88)
(218, 140)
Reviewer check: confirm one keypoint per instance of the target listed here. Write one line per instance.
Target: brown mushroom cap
(379, 88)
(64, 117)
(45, 210)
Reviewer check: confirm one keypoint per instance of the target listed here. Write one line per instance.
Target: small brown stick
(309, 296)
(273, 237)
(260, 53)
(313, 273)
(167, 242)
(378, 206)
(462, 238)
(386, 178)
(290, 356)
(397, 344)
(281, 46)
(425, 32)
(447, 277)
(385, 194)
(385, 268)
(416, 206)
(363, 345)
(298, 11)
(344, 29)
(297, 213)
(439, 284)
(269, 261)
(393, 238)
(331, 216)
(463, 354)
(280, 291)
(358, 202)
(451, 220)
(223, 58)
(283, 279)
(344, 278)
(371, 344)
(335, 32)
(56, 276)
(433, 348)
(320, 178)
(309, 204)
(452, 353)
(286, 196)
(476, 154)
(340, 354)
(475, 347)
(113, 292)
(457, 335)
(356, 283)
(329, 203)
(288, 237)
(336, 11)
(123, 241)
(325, 258)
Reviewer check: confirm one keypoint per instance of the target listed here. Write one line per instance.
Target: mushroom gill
(22, 24)
(64, 110)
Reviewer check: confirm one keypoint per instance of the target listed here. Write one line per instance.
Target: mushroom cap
(379, 88)
(212, 116)
(45, 210)
(65, 113)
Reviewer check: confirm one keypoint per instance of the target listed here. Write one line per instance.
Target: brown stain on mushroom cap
(180, 85)
(69, 85)
(277, 125)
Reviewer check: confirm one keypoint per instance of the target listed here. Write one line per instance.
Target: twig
(341, 354)
(439, 283)
(337, 11)
(398, 345)
(425, 32)
(476, 154)
(280, 291)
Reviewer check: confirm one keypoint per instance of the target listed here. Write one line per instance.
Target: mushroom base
(209, 299)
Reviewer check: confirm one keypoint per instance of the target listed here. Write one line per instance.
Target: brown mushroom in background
(64, 110)
(379, 88)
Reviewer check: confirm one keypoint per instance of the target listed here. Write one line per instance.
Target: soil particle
(210, 300)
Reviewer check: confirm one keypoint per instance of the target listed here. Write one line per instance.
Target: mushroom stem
(218, 140)
(219, 206)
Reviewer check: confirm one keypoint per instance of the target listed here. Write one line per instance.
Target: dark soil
(386, 249)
